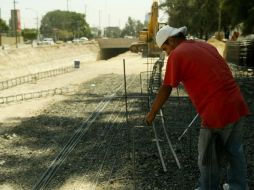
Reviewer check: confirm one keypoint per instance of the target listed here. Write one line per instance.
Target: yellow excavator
(146, 43)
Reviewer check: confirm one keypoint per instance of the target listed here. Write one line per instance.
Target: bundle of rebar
(240, 53)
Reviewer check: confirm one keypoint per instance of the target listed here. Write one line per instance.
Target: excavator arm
(153, 24)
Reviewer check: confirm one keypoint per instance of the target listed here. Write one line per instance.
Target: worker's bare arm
(162, 96)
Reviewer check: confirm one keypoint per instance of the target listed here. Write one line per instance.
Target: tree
(236, 12)
(3, 27)
(201, 17)
(29, 34)
(112, 32)
(64, 25)
(139, 26)
(204, 17)
(132, 28)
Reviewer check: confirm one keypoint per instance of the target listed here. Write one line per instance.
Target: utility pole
(67, 5)
(100, 22)
(15, 23)
(219, 19)
(108, 20)
(38, 30)
(37, 22)
(85, 17)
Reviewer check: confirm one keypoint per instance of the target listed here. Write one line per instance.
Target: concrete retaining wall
(22, 61)
(4, 40)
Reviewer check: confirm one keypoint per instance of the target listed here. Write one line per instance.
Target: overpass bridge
(110, 47)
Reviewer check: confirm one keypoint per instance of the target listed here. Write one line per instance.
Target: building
(15, 23)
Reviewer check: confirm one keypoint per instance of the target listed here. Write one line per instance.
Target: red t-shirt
(208, 81)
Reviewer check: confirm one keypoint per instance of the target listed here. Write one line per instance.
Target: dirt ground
(85, 139)
(14, 114)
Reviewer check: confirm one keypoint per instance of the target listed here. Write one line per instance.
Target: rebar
(169, 141)
(187, 128)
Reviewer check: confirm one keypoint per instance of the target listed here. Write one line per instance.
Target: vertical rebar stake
(125, 93)
(130, 132)
(141, 85)
(169, 142)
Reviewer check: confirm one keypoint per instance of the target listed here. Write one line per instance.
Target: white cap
(168, 31)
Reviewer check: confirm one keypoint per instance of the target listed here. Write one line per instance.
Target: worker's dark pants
(208, 161)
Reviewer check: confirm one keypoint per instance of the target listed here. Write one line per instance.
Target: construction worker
(217, 99)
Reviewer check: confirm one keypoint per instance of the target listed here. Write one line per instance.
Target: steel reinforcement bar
(241, 71)
(47, 176)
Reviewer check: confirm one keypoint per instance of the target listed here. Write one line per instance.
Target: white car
(48, 41)
(80, 40)
(83, 39)
(76, 40)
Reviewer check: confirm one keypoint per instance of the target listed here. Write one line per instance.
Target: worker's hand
(149, 118)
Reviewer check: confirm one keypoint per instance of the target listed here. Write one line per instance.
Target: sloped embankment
(23, 61)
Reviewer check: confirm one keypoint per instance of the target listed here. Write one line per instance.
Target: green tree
(201, 17)
(204, 17)
(3, 26)
(139, 26)
(29, 34)
(112, 32)
(64, 25)
(175, 10)
(132, 28)
(237, 12)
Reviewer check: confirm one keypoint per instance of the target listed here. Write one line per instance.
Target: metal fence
(34, 95)
(241, 71)
(240, 53)
(34, 77)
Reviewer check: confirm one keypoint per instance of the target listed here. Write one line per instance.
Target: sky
(99, 13)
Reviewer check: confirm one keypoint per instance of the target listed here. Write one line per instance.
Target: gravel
(108, 148)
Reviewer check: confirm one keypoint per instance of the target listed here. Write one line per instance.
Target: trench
(107, 53)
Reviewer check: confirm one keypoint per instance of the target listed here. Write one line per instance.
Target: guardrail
(34, 95)
(34, 77)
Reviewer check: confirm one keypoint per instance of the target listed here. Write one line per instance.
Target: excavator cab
(146, 43)
(143, 37)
